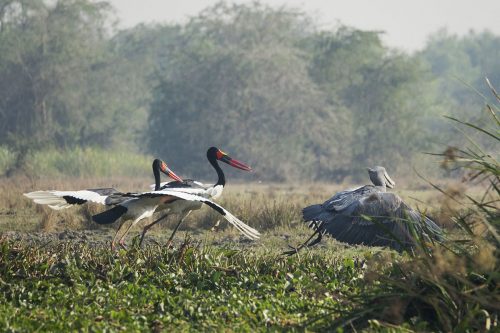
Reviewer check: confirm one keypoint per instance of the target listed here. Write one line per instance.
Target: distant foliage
(240, 82)
(60, 82)
(387, 97)
(266, 84)
(470, 58)
(7, 157)
(90, 162)
(79, 162)
(295, 102)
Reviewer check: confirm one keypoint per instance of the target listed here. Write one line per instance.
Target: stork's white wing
(64, 199)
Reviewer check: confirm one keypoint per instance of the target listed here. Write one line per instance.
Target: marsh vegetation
(83, 105)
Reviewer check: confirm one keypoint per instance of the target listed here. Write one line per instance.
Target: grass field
(212, 279)
(193, 287)
(264, 206)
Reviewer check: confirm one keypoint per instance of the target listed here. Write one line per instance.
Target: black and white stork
(105, 196)
(179, 197)
(189, 186)
(369, 215)
(58, 200)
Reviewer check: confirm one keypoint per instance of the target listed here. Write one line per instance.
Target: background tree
(459, 66)
(298, 102)
(384, 93)
(240, 81)
(55, 82)
(267, 84)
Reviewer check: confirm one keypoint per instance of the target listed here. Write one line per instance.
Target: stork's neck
(220, 174)
(156, 173)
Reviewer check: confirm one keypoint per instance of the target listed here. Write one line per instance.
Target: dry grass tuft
(450, 204)
(263, 206)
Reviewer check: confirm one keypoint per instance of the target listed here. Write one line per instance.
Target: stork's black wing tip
(109, 216)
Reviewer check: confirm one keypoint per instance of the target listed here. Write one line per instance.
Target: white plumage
(56, 200)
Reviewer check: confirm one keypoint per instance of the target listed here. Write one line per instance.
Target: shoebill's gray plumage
(371, 216)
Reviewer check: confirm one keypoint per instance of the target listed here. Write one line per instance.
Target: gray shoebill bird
(369, 215)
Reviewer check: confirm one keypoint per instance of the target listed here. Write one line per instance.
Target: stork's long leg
(122, 238)
(146, 228)
(113, 242)
(177, 227)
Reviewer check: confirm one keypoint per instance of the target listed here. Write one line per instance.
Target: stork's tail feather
(48, 198)
(109, 216)
(312, 213)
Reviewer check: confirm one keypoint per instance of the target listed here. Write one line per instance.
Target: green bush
(79, 162)
(6, 159)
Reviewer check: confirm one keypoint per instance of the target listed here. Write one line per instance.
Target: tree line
(266, 84)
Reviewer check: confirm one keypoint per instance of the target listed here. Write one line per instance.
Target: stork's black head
(379, 177)
(214, 154)
(159, 165)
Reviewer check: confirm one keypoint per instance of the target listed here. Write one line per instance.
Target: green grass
(69, 287)
(221, 285)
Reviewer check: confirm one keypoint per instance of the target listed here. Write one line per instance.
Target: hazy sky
(406, 23)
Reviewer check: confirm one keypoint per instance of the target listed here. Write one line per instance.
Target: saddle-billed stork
(184, 208)
(105, 196)
(58, 200)
(136, 206)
